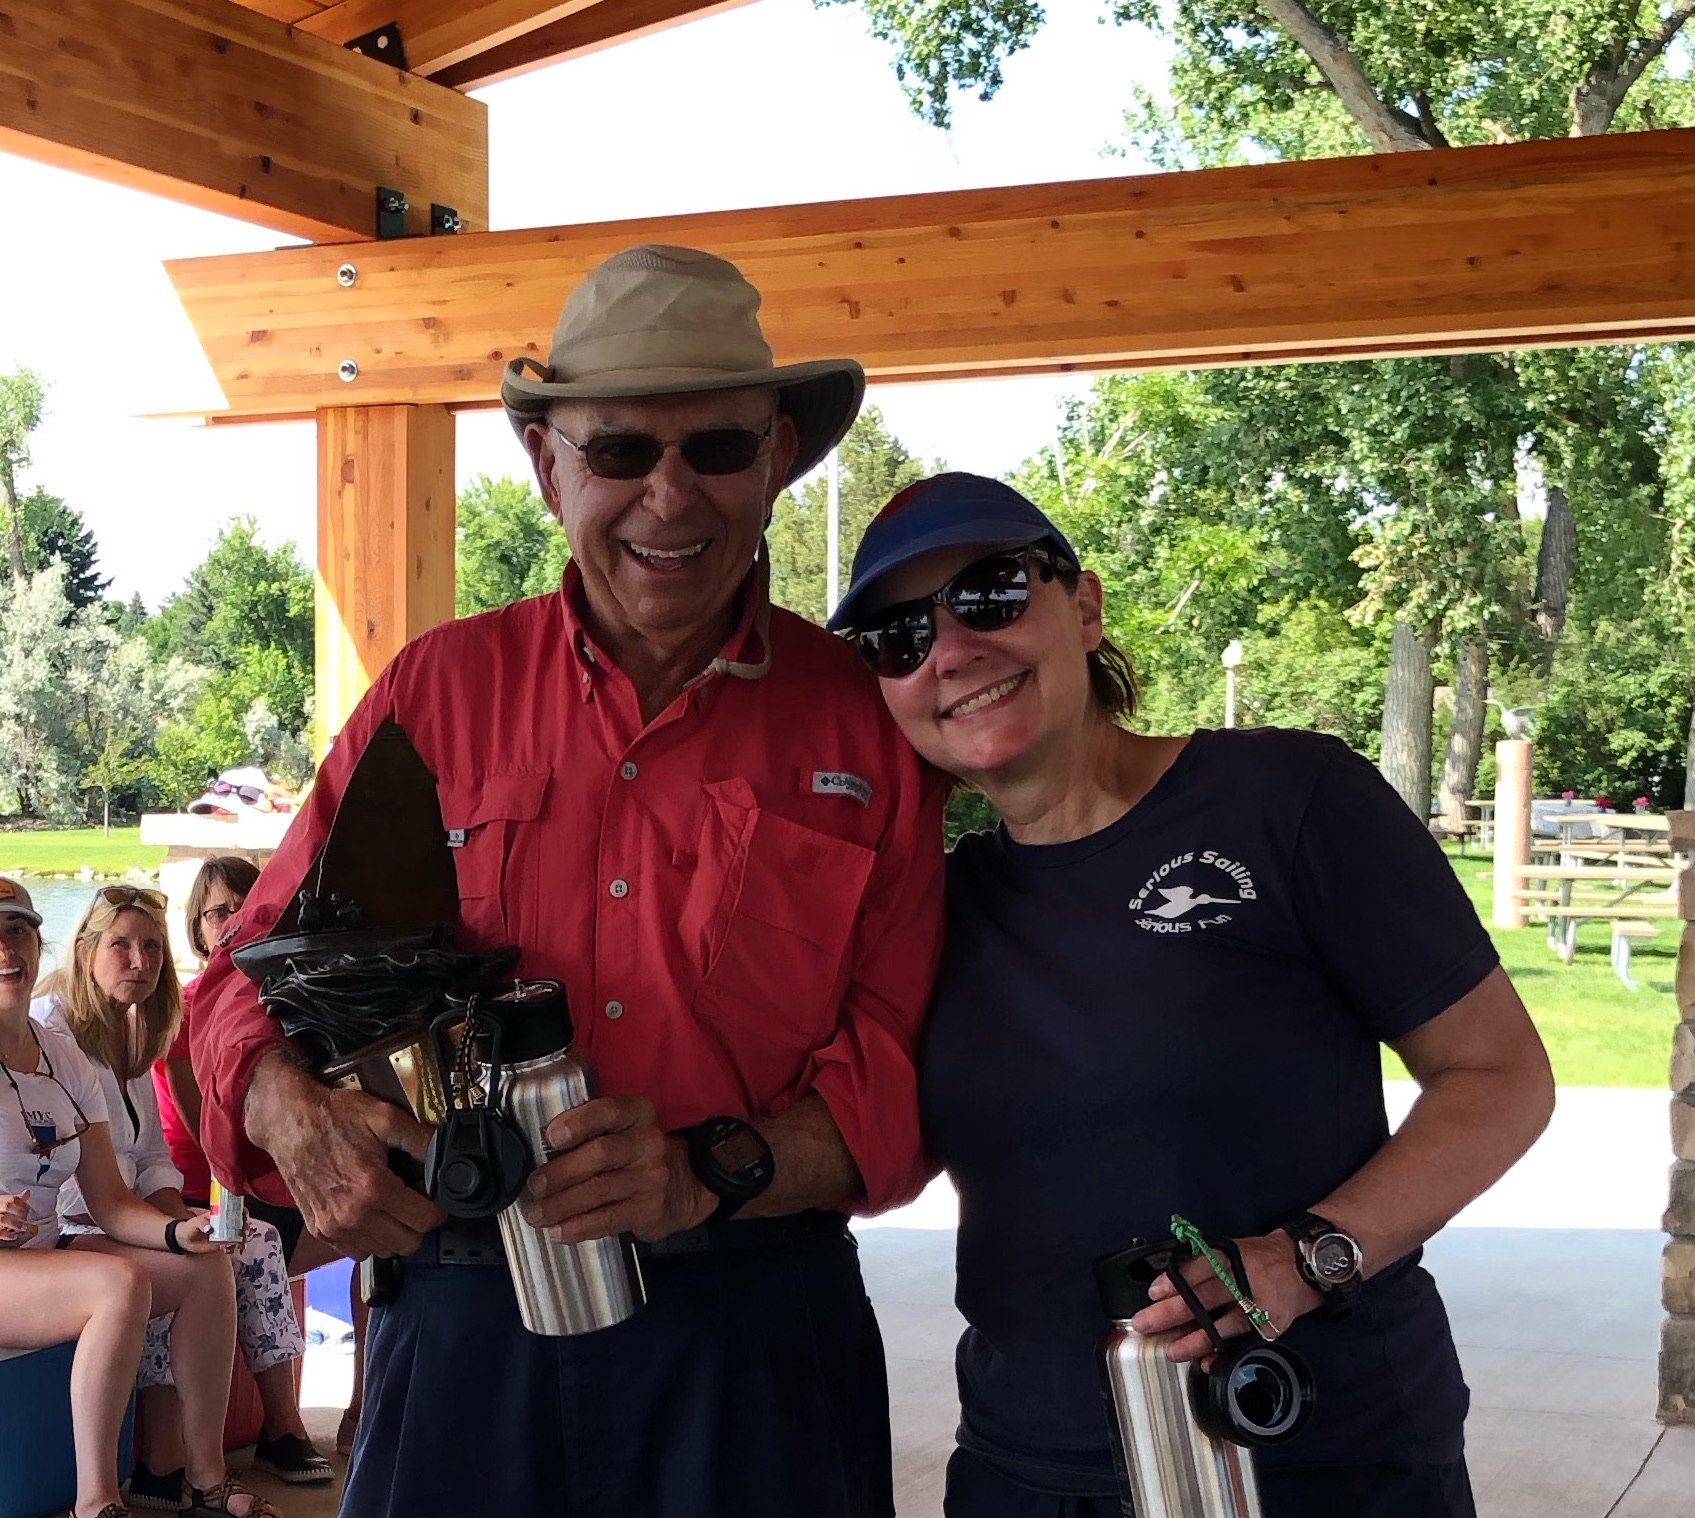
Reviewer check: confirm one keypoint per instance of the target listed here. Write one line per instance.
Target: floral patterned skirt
(267, 1328)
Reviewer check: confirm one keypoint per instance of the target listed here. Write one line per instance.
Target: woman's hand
(15, 1226)
(193, 1235)
(1274, 1281)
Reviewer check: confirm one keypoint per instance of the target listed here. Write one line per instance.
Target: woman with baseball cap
(55, 1128)
(1166, 978)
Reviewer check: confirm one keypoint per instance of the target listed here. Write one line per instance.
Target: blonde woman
(54, 1128)
(119, 1000)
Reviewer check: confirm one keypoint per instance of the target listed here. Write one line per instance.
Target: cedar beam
(211, 103)
(385, 545)
(1564, 241)
(571, 36)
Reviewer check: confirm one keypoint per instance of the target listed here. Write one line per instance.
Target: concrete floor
(1557, 1326)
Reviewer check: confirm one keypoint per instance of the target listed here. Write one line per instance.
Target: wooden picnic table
(1569, 894)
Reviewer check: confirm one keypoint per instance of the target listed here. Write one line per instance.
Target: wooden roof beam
(583, 31)
(1570, 240)
(211, 103)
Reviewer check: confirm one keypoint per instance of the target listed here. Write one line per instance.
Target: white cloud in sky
(774, 103)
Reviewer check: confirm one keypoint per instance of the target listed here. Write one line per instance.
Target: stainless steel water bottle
(532, 1075)
(1170, 1465)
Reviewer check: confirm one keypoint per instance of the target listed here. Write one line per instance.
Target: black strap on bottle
(1206, 1316)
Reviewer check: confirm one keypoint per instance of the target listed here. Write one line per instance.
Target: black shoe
(294, 1459)
(149, 1489)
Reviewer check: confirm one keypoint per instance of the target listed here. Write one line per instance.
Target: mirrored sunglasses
(634, 455)
(985, 596)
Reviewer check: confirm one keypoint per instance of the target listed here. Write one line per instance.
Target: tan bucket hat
(658, 320)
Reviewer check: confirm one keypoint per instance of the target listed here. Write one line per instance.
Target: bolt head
(348, 369)
(347, 276)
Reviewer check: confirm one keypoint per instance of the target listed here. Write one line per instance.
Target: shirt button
(627, 770)
(614, 1010)
(620, 888)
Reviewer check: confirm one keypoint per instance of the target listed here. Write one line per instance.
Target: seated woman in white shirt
(53, 1127)
(118, 999)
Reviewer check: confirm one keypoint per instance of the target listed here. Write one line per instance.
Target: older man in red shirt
(691, 808)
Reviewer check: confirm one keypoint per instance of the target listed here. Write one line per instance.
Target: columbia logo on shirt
(841, 783)
(1192, 892)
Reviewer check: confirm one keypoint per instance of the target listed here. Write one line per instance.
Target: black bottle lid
(1123, 1279)
(533, 1017)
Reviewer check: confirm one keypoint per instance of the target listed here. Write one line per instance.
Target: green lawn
(1597, 1032)
(65, 851)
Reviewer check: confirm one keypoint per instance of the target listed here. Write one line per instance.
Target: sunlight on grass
(65, 851)
(1597, 1032)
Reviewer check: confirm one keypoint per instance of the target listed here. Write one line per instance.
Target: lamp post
(1230, 658)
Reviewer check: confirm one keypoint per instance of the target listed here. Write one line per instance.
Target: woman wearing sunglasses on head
(277, 1244)
(119, 1002)
(55, 1131)
(1166, 978)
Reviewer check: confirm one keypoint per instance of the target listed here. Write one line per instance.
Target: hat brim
(821, 397)
(987, 531)
(32, 918)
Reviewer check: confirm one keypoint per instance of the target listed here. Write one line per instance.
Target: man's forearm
(814, 1166)
(280, 1089)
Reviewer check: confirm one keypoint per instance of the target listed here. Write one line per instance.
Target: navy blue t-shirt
(1182, 1013)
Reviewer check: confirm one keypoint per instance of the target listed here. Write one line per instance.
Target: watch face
(739, 1150)
(1335, 1258)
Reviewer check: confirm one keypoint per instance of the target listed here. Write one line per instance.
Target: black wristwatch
(1330, 1261)
(731, 1160)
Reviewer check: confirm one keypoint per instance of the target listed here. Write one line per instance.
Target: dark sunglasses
(985, 596)
(251, 794)
(633, 455)
(128, 896)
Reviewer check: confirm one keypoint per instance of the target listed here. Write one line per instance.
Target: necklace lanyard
(43, 1148)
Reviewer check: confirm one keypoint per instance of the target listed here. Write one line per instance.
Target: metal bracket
(384, 44)
(444, 219)
(391, 212)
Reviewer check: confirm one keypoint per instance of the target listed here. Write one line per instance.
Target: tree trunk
(1689, 772)
(1465, 739)
(1406, 720)
(14, 524)
(1553, 567)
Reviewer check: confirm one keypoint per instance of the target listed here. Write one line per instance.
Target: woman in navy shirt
(1166, 980)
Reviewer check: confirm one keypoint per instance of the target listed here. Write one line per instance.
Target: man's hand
(332, 1147)
(1274, 1282)
(615, 1171)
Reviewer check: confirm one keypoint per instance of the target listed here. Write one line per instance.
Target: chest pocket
(484, 816)
(774, 985)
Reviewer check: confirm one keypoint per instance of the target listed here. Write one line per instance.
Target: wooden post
(1677, 1266)
(385, 545)
(1512, 827)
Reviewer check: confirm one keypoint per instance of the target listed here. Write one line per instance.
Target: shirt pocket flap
(511, 796)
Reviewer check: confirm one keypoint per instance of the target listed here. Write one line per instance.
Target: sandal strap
(217, 1499)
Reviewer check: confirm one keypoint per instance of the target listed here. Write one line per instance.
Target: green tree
(875, 466)
(509, 545)
(23, 399)
(53, 530)
(245, 612)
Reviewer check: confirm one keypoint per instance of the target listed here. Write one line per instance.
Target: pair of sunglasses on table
(985, 596)
(634, 455)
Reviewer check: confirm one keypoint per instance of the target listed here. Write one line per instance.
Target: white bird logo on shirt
(1181, 899)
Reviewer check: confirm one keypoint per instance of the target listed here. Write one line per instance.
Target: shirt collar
(746, 654)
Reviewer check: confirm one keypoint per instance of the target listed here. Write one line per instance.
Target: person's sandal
(294, 1459)
(159, 1489)
(111, 1510)
(215, 1502)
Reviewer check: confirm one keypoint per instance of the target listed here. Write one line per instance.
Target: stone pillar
(1512, 826)
(1677, 1266)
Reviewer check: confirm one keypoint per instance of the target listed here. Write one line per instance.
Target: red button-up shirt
(743, 897)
